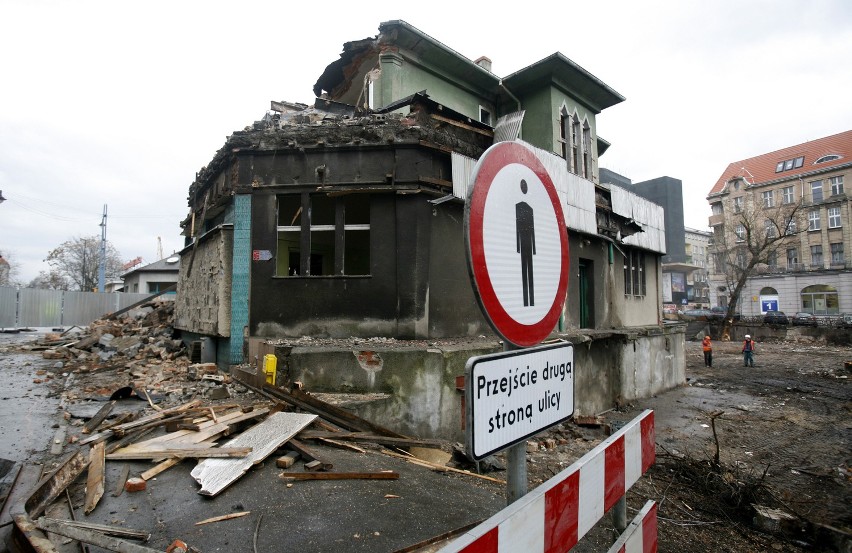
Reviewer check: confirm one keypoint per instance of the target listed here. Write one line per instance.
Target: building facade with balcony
(810, 269)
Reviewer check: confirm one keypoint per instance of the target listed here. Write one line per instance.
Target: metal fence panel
(8, 306)
(81, 308)
(40, 308)
(126, 299)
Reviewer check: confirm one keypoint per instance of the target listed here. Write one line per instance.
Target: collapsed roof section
(294, 129)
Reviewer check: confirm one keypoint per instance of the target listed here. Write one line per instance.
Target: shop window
(320, 235)
(820, 299)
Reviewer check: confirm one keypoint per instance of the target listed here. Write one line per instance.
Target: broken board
(264, 438)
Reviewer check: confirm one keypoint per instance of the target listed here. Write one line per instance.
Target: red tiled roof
(761, 168)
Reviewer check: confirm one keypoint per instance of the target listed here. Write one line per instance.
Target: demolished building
(344, 218)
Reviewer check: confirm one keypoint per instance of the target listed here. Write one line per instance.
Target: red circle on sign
(493, 160)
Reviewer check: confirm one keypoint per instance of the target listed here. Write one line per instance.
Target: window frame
(768, 198)
(816, 185)
(788, 193)
(738, 204)
(836, 184)
(834, 217)
(814, 222)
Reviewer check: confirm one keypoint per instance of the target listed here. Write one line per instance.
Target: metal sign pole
(516, 460)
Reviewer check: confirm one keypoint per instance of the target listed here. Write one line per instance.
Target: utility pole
(102, 261)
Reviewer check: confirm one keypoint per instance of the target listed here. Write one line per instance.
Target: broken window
(320, 235)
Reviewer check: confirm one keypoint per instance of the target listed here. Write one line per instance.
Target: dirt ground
(783, 433)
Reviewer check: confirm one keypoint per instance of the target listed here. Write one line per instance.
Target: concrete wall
(610, 368)
(203, 302)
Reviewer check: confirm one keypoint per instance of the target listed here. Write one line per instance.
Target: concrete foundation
(422, 398)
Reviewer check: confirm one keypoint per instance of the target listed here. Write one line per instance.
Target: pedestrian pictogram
(517, 244)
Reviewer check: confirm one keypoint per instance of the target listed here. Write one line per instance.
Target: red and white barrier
(641, 535)
(553, 517)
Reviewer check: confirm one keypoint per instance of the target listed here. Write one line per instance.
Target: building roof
(762, 169)
(169, 264)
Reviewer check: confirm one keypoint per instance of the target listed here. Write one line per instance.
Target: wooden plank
(182, 453)
(122, 478)
(441, 468)
(118, 531)
(160, 467)
(96, 478)
(308, 454)
(365, 437)
(342, 445)
(99, 417)
(329, 412)
(93, 537)
(380, 475)
(286, 461)
(215, 475)
(223, 517)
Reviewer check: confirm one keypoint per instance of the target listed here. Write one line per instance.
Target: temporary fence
(31, 307)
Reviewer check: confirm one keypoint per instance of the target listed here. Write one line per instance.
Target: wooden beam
(182, 453)
(95, 479)
(93, 537)
(307, 453)
(122, 478)
(441, 468)
(223, 517)
(381, 475)
(366, 437)
(99, 417)
(461, 125)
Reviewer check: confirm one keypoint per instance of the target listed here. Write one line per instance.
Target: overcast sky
(120, 103)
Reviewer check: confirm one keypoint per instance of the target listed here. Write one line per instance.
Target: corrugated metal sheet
(8, 306)
(462, 173)
(645, 212)
(509, 126)
(577, 197)
(40, 307)
(81, 308)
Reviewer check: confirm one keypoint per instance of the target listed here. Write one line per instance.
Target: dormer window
(788, 164)
(826, 158)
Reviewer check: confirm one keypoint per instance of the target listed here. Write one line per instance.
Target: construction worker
(708, 352)
(748, 352)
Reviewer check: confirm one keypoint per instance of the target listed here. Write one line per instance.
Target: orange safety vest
(705, 343)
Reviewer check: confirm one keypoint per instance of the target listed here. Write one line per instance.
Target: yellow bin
(270, 367)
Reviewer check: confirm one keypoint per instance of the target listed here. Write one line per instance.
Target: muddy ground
(783, 430)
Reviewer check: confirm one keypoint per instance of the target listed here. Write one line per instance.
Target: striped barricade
(641, 535)
(553, 517)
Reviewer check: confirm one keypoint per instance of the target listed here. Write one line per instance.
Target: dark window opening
(320, 235)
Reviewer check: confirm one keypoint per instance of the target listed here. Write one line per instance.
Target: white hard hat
(748, 336)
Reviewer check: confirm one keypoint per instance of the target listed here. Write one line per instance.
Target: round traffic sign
(517, 245)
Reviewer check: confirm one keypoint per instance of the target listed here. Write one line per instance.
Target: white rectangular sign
(514, 394)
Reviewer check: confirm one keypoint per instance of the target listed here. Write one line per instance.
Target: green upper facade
(560, 99)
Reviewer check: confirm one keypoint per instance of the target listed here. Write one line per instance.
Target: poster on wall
(667, 287)
(678, 282)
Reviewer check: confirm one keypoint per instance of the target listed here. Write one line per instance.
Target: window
(816, 256)
(833, 217)
(768, 198)
(826, 158)
(716, 208)
(836, 185)
(741, 259)
(788, 164)
(739, 230)
(484, 116)
(769, 225)
(813, 220)
(576, 147)
(837, 253)
(320, 235)
(564, 133)
(816, 191)
(738, 204)
(772, 260)
(820, 299)
(634, 273)
(787, 195)
(790, 227)
(792, 258)
(587, 151)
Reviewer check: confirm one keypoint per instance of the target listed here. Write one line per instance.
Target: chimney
(484, 62)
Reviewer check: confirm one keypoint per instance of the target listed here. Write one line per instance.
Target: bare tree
(8, 270)
(750, 241)
(77, 261)
(49, 281)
